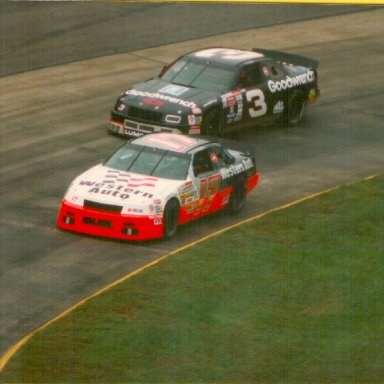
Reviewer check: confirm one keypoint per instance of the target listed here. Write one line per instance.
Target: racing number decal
(208, 189)
(257, 98)
(228, 54)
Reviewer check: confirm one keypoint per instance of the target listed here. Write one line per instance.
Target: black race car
(216, 90)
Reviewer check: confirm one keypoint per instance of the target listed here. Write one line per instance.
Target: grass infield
(296, 296)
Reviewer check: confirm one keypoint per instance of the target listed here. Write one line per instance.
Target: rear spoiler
(288, 58)
(243, 147)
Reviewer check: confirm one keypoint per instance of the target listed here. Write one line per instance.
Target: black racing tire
(171, 218)
(211, 123)
(295, 108)
(238, 196)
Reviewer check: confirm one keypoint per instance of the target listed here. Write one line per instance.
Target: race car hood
(167, 97)
(120, 191)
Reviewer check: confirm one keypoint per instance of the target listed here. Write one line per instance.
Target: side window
(276, 71)
(272, 70)
(250, 76)
(220, 157)
(202, 162)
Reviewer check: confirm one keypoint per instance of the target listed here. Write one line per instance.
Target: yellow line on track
(326, 2)
(11, 351)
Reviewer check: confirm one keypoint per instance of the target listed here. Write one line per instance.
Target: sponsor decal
(120, 184)
(187, 193)
(154, 102)
(133, 133)
(142, 182)
(236, 169)
(229, 99)
(174, 90)
(159, 96)
(157, 220)
(119, 191)
(190, 207)
(186, 187)
(194, 120)
(194, 130)
(135, 210)
(291, 81)
(115, 176)
(234, 102)
(279, 107)
(156, 206)
(312, 95)
(191, 119)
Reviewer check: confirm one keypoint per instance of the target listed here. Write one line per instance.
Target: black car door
(261, 101)
(254, 91)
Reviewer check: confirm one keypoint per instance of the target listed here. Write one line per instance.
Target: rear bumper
(253, 181)
(107, 224)
(129, 126)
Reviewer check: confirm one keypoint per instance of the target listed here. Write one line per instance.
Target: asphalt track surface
(53, 124)
(41, 34)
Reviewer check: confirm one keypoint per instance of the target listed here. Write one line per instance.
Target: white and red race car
(156, 182)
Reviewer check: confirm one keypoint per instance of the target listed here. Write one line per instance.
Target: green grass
(294, 297)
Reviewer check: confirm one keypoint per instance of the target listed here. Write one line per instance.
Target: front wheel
(211, 123)
(171, 218)
(295, 108)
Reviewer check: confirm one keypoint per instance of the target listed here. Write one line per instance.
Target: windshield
(200, 74)
(150, 161)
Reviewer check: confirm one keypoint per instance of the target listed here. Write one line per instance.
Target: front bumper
(108, 224)
(133, 129)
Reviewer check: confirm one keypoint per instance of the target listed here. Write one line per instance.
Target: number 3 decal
(228, 54)
(256, 97)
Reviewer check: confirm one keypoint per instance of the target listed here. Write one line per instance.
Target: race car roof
(227, 56)
(171, 141)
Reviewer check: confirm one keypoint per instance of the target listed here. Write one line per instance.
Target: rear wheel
(171, 218)
(295, 108)
(238, 196)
